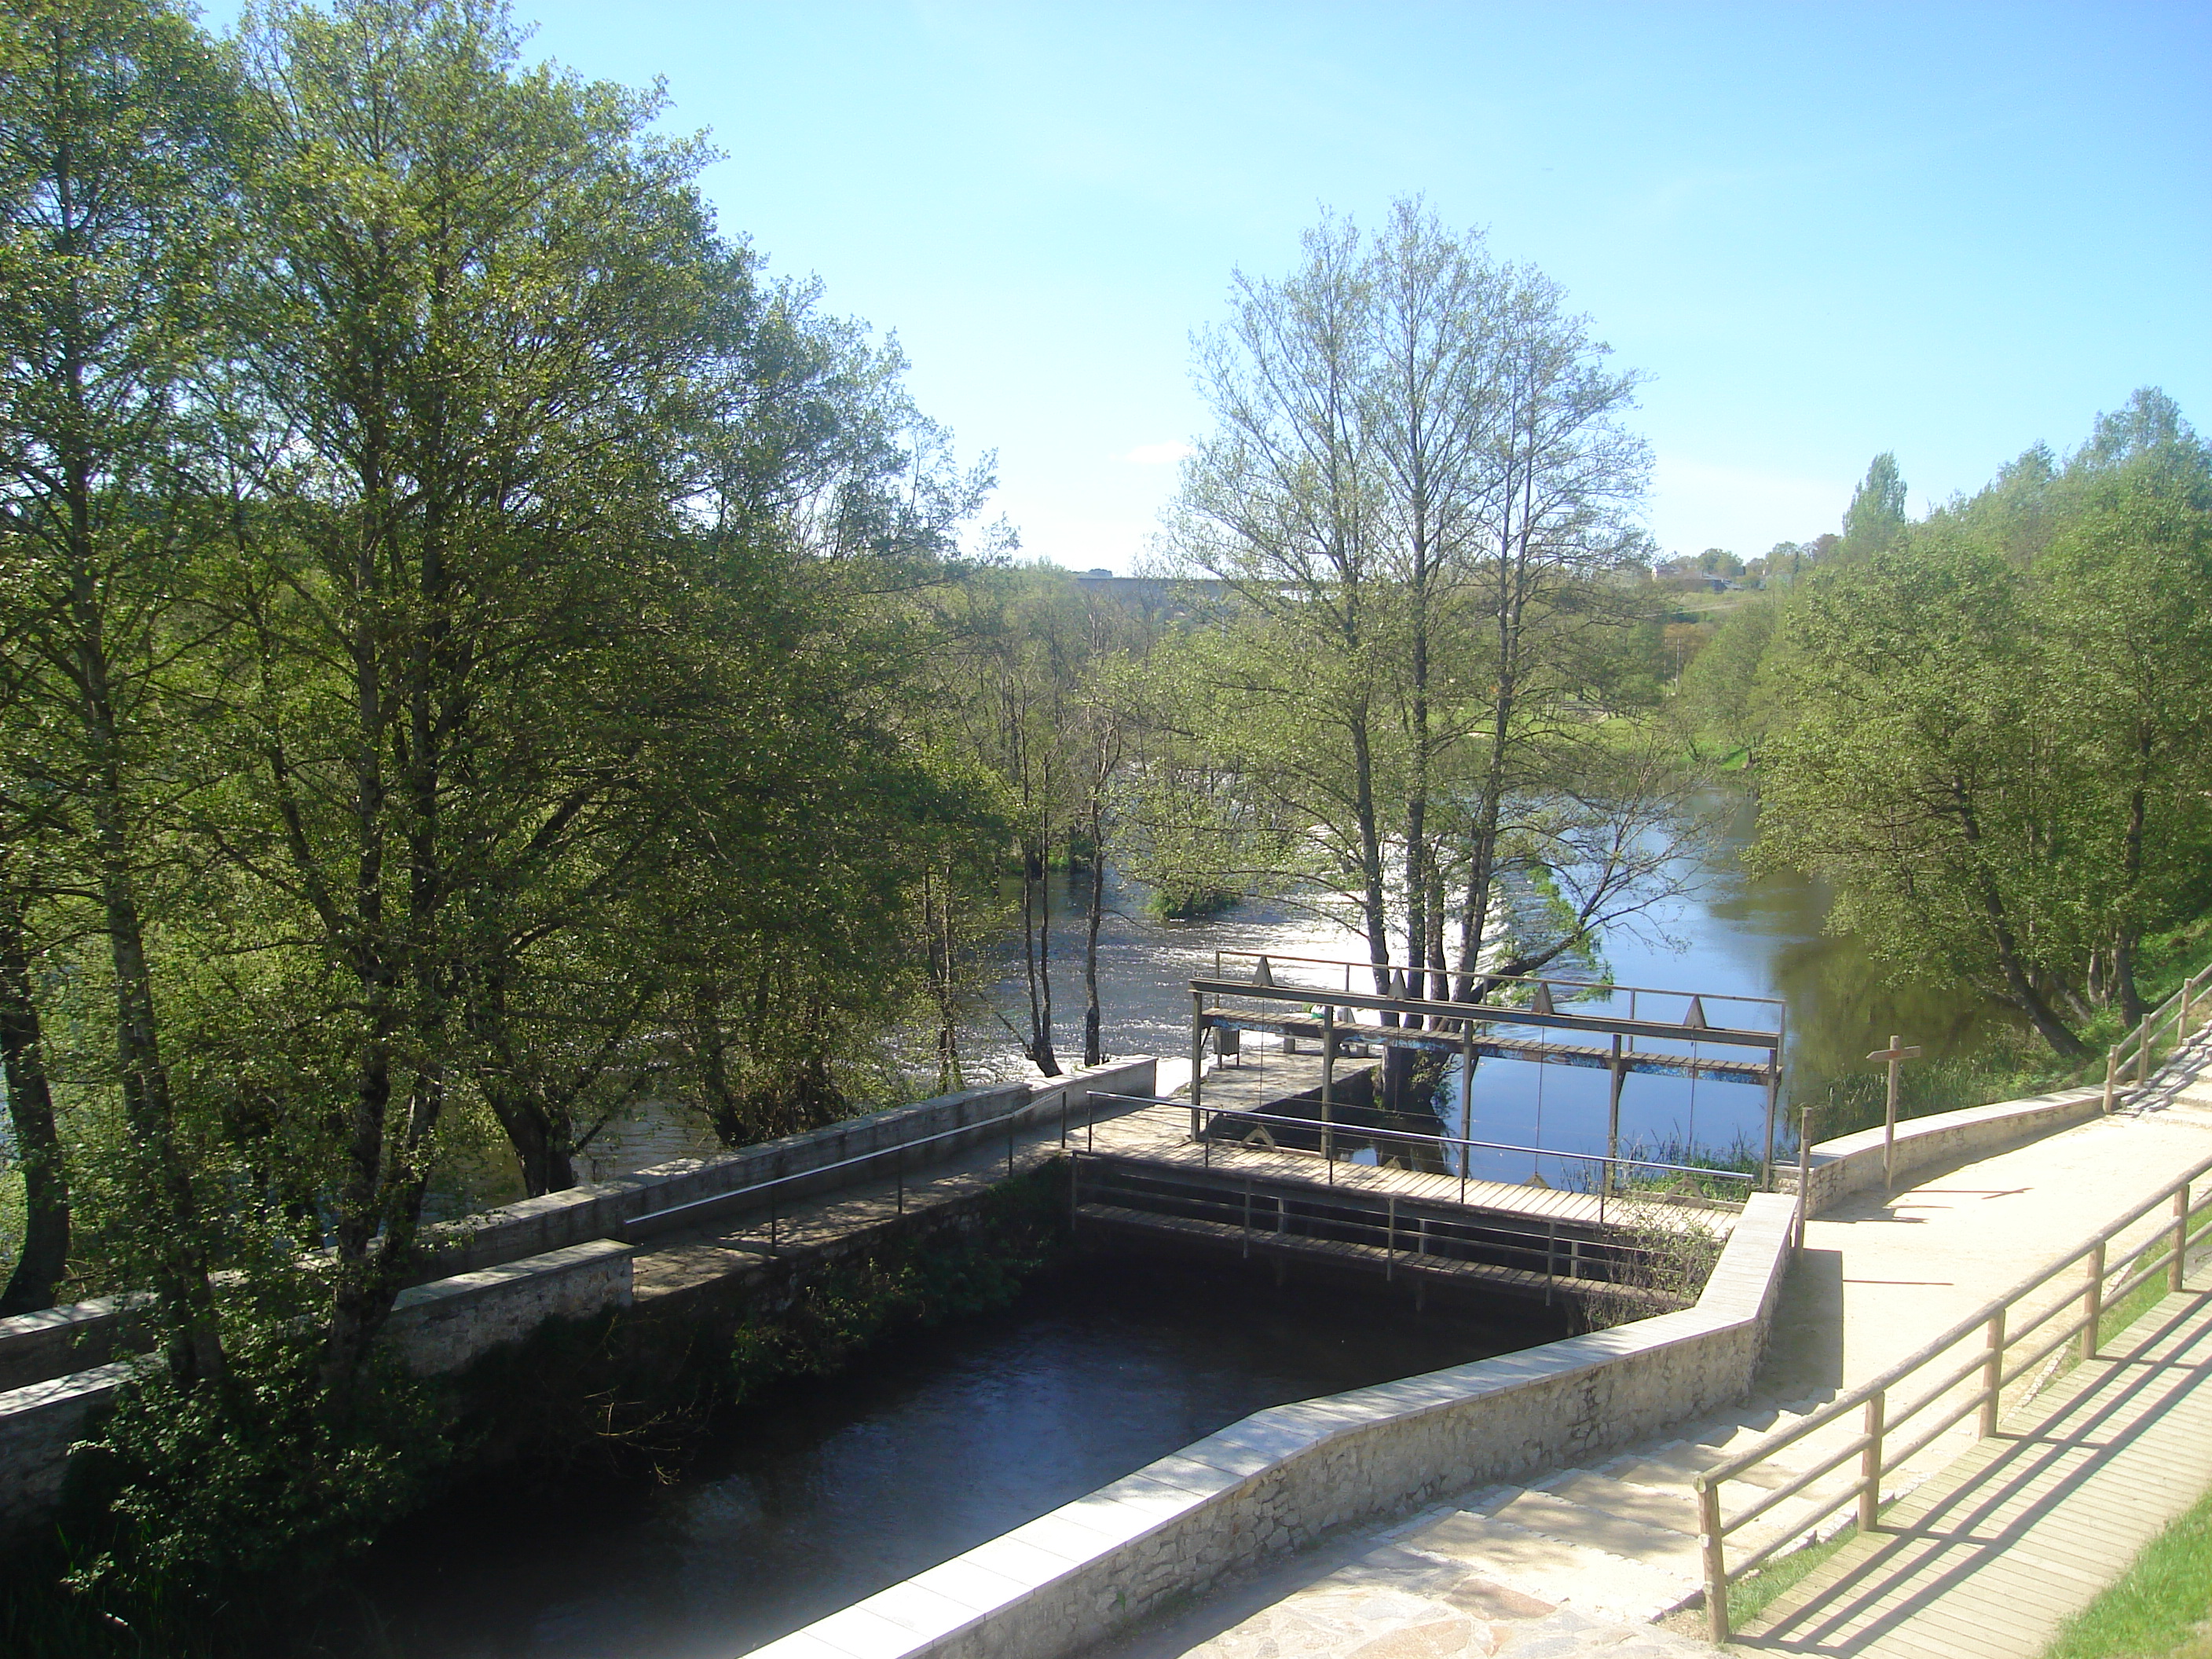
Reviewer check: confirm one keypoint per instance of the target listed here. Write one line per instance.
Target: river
(1733, 934)
(814, 1497)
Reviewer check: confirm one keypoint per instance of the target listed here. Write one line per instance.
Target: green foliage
(1990, 730)
(260, 1486)
(910, 1285)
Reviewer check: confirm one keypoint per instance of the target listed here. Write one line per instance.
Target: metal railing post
(1992, 1371)
(1391, 1257)
(2092, 1301)
(2178, 1268)
(1870, 1464)
(1063, 1120)
(1709, 1545)
(2111, 1075)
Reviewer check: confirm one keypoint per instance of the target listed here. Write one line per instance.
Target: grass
(2162, 1609)
(1751, 1595)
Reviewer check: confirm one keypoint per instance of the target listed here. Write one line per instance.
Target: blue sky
(1823, 231)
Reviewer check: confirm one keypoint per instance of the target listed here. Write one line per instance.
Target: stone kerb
(1283, 1477)
(1852, 1163)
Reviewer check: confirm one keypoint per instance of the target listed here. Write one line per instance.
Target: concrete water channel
(1242, 1249)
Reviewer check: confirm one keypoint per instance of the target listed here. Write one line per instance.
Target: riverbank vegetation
(1987, 731)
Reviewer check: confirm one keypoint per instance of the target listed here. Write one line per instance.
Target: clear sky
(1822, 230)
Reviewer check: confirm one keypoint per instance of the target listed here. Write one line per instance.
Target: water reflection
(1735, 933)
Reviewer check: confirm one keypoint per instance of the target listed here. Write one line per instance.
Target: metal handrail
(1221, 955)
(730, 1200)
(1877, 1455)
(1329, 1130)
(1397, 1225)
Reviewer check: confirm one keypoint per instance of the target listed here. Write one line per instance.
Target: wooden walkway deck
(1161, 1134)
(1988, 1558)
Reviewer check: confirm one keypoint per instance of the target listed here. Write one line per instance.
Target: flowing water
(813, 1498)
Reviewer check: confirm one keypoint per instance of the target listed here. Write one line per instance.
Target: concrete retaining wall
(624, 1205)
(1852, 1163)
(1282, 1477)
(55, 1342)
(439, 1328)
(34, 1347)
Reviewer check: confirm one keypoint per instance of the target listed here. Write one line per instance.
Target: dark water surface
(829, 1492)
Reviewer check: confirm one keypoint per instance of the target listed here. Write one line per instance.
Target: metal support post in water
(2092, 1301)
(1870, 1466)
(1328, 1086)
(1466, 1106)
(2177, 1267)
(1710, 1545)
(1613, 1111)
(1992, 1371)
(1804, 1171)
(1197, 1053)
(1773, 1105)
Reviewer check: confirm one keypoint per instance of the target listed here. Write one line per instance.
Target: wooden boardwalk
(1161, 1134)
(1989, 1557)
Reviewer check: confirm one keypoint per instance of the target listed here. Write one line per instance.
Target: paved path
(1995, 1554)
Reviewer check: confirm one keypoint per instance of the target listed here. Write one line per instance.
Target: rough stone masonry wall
(1283, 1477)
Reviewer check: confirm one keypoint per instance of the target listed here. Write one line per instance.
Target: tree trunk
(44, 1257)
(1093, 1046)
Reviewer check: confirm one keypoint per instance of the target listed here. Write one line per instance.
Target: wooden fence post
(2177, 1268)
(1871, 1465)
(1708, 1543)
(2092, 1301)
(1992, 1372)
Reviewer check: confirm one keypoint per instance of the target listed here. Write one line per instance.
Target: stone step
(1551, 1569)
(1661, 1549)
(1672, 1508)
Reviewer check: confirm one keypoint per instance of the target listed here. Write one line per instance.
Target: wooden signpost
(1896, 1054)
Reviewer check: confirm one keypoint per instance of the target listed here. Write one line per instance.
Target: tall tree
(116, 122)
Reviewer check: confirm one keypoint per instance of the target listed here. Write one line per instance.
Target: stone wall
(439, 1328)
(34, 1347)
(55, 1342)
(626, 1207)
(1852, 1163)
(1283, 1477)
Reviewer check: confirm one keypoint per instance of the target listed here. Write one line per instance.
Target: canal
(810, 1499)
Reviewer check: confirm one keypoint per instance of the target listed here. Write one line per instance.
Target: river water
(1733, 936)
(807, 1501)
(815, 1498)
